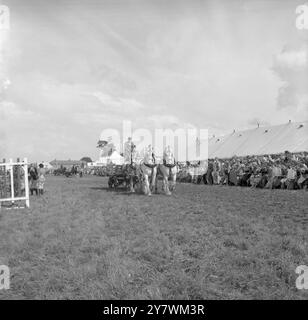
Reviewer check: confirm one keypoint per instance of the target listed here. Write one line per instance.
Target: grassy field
(82, 241)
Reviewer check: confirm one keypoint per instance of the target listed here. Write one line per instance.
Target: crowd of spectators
(283, 171)
(279, 171)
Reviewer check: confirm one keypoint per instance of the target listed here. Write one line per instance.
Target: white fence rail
(11, 183)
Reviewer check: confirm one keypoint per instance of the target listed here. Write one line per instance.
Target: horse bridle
(167, 165)
(153, 165)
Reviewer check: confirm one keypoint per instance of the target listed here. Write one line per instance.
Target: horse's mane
(168, 156)
(149, 156)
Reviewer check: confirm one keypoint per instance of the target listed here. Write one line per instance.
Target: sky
(72, 68)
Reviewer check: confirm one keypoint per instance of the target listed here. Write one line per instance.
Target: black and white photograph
(154, 150)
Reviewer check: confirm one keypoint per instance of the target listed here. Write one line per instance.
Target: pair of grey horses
(148, 170)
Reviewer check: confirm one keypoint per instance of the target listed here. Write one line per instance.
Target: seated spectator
(291, 178)
(274, 176)
(223, 174)
(303, 179)
(263, 179)
(255, 178)
(244, 179)
(233, 177)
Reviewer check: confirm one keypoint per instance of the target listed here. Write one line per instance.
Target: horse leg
(131, 184)
(147, 185)
(173, 180)
(166, 183)
(153, 179)
(158, 172)
(156, 182)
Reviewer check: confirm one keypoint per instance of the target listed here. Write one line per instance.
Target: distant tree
(86, 159)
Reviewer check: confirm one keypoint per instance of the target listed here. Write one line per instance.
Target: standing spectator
(41, 181)
(209, 176)
(41, 170)
(33, 177)
(291, 178)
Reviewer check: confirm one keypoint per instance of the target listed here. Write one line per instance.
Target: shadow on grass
(122, 191)
(119, 191)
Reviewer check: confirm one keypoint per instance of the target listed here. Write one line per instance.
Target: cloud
(291, 66)
(117, 104)
(292, 59)
(4, 81)
(77, 69)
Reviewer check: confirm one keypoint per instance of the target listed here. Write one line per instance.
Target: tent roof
(115, 155)
(263, 140)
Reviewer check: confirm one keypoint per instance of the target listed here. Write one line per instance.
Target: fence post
(12, 179)
(13, 182)
(4, 180)
(26, 183)
(18, 184)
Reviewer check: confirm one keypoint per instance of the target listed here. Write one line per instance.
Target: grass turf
(83, 241)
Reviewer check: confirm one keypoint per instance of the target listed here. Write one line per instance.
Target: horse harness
(151, 165)
(169, 165)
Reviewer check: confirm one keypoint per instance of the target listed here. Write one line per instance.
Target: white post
(26, 183)
(10, 167)
(12, 179)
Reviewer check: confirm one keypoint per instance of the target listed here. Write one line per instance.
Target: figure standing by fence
(33, 179)
(40, 184)
(41, 179)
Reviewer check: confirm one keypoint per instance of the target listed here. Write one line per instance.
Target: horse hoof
(168, 193)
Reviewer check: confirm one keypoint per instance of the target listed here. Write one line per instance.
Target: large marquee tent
(291, 137)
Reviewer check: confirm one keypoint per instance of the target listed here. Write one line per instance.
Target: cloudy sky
(77, 67)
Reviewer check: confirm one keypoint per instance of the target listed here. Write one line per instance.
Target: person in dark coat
(209, 174)
(33, 179)
(232, 178)
(264, 178)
